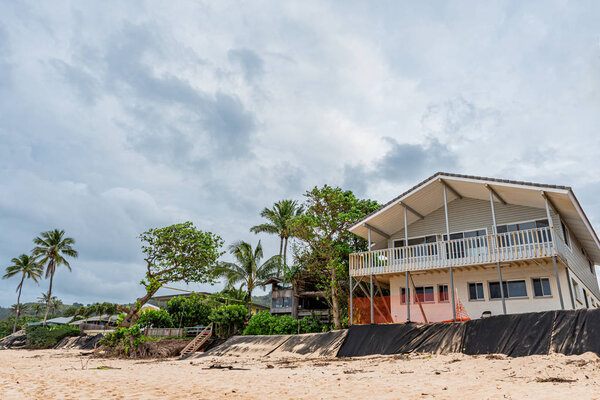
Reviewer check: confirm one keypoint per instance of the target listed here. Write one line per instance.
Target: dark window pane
(443, 292)
(517, 289)
(537, 288)
(502, 229)
(495, 290)
(526, 225)
(512, 227)
(542, 223)
(546, 287)
(472, 291)
(398, 243)
(431, 239)
(480, 290)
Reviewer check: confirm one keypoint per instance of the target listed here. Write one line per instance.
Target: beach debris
(228, 367)
(555, 379)
(106, 367)
(495, 357)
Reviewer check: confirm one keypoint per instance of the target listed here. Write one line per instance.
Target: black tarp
(514, 335)
(363, 340)
(576, 332)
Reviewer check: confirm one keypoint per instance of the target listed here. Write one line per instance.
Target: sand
(66, 374)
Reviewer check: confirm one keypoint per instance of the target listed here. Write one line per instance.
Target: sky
(116, 117)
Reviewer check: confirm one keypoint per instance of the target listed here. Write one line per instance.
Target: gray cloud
(252, 65)
(115, 118)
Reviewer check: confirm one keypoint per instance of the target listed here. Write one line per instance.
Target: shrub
(125, 340)
(40, 337)
(263, 323)
(284, 325)
(189, 311)
(260, 324)
(156, 319)
(229, 319)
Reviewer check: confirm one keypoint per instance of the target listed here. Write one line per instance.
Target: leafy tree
(156, 319)
(326, 242)
(229, 319)
(248, 271)
(260, 324)
(70, 311)
(189, 311)
(175, 253)
(52, 246)
(28, 268)
(37, 308)
(280, 217)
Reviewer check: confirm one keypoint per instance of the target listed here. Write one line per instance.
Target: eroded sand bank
(66, 374)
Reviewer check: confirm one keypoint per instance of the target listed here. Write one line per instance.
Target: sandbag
(309, 345)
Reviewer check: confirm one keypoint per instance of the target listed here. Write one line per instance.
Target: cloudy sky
(120, 116)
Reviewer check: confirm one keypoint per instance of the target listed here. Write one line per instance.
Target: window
(592, 269)
(403, 295)
(456, 249)
(424, 294)
(541, 287)
(476, 291)
(443, 293)
(421, 250)
(528, 237)
(512, 289)
(280, 302)
(565, 232)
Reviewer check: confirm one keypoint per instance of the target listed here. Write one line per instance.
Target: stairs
(198, 341)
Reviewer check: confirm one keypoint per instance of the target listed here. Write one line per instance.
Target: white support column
(371, 276)
(450, 250)
(496, 241)
(562, 303)
(407, 290)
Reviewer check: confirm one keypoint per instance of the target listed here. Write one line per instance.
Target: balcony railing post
(451, 275)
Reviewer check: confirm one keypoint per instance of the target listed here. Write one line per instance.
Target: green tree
(175, 253)
(156, 319)
(28, 268)
(229, 319)
(326, 242)
(52, 247)
(189, 311)
(248, 271)
(37, 308)
(280, 217)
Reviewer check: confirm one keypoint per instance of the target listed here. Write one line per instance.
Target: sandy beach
(54, 374)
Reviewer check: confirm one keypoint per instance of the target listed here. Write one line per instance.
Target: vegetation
(248, 271)
(175, 253)
(7, 325)
(189, 311)
(43, 337)
(155, 319)
(52, 247)
(27, 268)
(280, 218)
(326, 243)
(125, 340)
(263, 323)
(228, 320)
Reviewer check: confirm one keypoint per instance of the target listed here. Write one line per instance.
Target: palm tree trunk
(18, 304)
(285, 253)
(48, 299)
(249, 301)
(280, 254)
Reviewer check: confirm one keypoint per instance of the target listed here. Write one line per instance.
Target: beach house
(458, 247)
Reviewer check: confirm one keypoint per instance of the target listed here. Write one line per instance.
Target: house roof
(426, 197)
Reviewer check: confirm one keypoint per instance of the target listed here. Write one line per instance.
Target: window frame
(506, 293)
(482, 290)
(439, 297)
(543, 296)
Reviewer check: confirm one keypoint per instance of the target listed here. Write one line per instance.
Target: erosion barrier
(567, 332)
(306, 345)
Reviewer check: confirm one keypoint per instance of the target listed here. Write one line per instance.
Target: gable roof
(426, 197)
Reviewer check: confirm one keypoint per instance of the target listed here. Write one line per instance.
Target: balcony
(530, 244)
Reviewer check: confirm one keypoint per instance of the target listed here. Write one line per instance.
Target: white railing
(509, 246)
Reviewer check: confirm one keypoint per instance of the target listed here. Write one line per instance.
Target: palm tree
(280, 218)
(52, 246)
(29, 269)
(247, 270)
(55, 304)
(37, 308)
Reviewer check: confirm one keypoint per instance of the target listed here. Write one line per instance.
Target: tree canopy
(326, 243)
